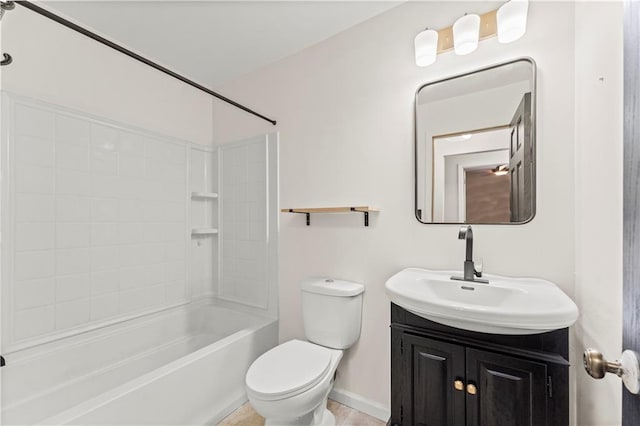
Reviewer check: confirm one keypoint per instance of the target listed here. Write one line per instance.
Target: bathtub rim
(87, 330)
(90, 333)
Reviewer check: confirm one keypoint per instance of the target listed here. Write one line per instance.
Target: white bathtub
(182, 366)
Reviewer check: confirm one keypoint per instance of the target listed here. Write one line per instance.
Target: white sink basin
(504, 306)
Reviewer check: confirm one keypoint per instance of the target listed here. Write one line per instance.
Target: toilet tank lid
(332, 287)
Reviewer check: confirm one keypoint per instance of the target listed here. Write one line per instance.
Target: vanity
(491, 351)
(442, 375)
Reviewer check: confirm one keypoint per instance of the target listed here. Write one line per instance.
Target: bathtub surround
(345, 110)
(97, 221)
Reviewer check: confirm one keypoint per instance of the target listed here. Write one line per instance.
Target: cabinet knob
(458, 385)
(471, 389)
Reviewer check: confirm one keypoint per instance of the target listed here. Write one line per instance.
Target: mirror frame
(534, 99)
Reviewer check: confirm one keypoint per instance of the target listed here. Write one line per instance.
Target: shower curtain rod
(135, 56)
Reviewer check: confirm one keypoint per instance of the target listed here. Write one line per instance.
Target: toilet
(290, 384)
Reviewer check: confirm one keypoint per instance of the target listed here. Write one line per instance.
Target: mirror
(475, 146)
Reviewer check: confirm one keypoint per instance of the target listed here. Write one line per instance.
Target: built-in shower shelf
(359, 209)
(204, 231)
(204, 195)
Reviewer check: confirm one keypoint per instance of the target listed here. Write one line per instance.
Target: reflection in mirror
(475, 146)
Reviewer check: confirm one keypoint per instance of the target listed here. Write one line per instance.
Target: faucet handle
(478, 268)
(462, 232)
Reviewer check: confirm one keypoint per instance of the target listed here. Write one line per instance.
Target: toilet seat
(288, 369)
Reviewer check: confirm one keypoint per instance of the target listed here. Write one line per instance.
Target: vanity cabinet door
(435, 394)
(505, 390)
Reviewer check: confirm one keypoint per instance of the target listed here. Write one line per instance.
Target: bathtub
(185, 365)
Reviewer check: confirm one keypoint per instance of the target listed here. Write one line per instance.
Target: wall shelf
(307, 211)
(204, 195)
(203, 231)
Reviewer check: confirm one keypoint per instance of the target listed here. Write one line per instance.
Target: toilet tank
(332, 312)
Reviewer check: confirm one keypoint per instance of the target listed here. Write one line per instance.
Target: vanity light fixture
(512, 20)
(509, 23)
(466, 32)
(426, 47)
(500, 170)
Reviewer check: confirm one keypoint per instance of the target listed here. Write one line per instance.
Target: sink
(504, 306)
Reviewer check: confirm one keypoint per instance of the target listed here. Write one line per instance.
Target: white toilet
(290, 384)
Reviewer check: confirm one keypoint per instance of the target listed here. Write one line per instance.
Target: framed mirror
(475, 146)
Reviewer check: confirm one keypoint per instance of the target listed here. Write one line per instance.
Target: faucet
(470, 271)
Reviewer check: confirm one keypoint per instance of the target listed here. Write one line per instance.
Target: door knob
(626, 367)
(458, 385)
(597, 366)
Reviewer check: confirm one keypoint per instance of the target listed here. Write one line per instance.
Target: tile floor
(345, 416)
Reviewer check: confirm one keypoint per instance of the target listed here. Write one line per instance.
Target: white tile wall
(72, 314)
(35, 321)
(34, 180)
(34, 293)
(98, 219)
(104, 306)
(35, 236)
(71, 287)
(244, 224)
(103, 282)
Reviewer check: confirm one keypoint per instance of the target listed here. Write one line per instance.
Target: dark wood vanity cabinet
(444, 376)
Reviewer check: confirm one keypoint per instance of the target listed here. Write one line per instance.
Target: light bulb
(512, 20)
(426, 45)
(466, 31)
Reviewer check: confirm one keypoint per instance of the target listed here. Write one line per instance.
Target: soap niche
(204, 213)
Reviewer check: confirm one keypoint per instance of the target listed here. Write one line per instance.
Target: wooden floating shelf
(307, 211)
(204, 231)
(208, 195)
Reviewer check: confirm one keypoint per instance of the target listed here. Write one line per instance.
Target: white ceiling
(215, 41)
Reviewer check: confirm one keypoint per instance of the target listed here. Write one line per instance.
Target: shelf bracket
(366, 215)
(308, 215)
(2, 361)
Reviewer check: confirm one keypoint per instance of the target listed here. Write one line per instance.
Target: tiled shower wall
(244, 276)
(95, 221)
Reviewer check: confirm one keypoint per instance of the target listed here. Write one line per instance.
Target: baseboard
(360, 403)
(226, 410)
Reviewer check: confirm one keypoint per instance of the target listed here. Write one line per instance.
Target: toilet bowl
(290, 384)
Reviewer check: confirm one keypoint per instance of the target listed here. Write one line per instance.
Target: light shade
(512, 20)
(500, 170)
(466, 31)
(426, 44)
